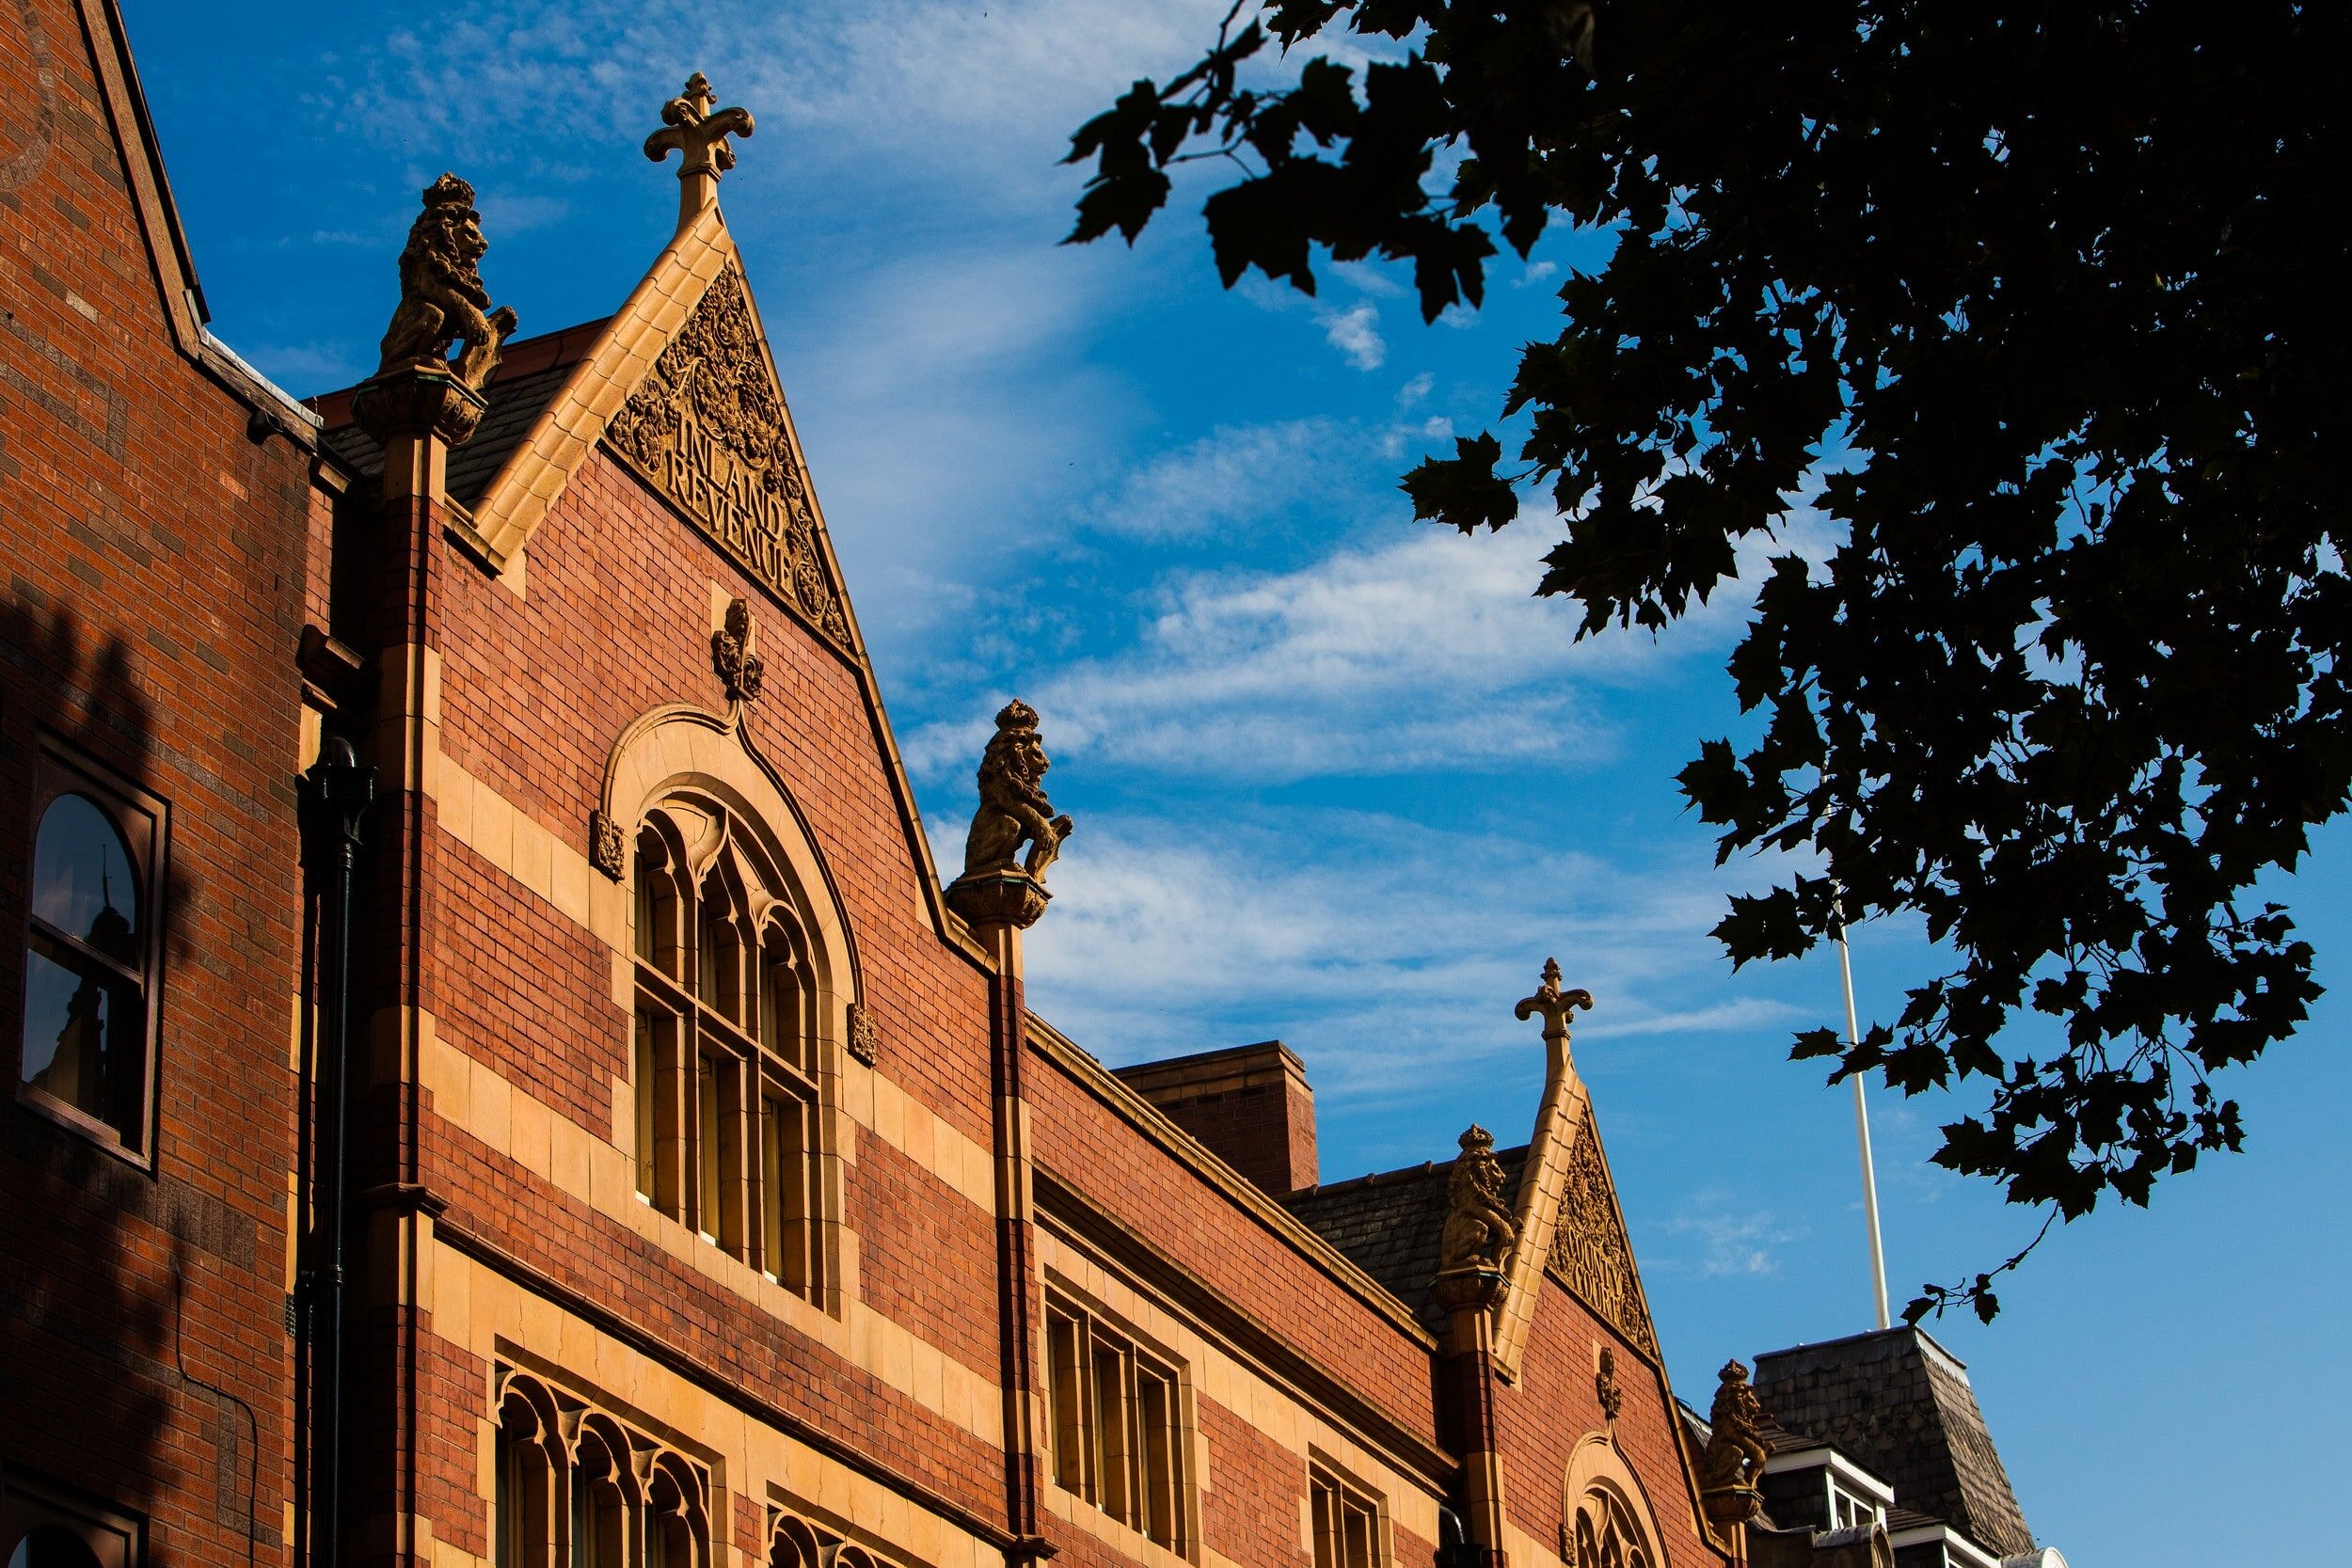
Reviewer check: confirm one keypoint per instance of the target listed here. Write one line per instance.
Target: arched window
(601, 1498)
(87, 1045)
(674, 1527)
(1607, 1535)
(51, 1546)
(724, 1053)
(1607, 1520)
(527, 1460)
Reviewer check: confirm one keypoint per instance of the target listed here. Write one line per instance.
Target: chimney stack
(1250, 1104)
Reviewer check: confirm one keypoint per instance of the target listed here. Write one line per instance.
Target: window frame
(721, 1191)
(142, 820)
(1076, 1423)
(114, 1537)
(1350, 1498)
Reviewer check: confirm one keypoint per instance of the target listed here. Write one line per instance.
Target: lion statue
(1013, 808)
(1735, 1452)
(1478, 1230)
(443, 301)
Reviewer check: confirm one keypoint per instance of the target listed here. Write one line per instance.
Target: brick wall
(152, 600)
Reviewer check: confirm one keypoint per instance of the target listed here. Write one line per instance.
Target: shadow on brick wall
(119, 1328)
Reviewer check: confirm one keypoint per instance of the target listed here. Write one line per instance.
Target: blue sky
(1339, 779)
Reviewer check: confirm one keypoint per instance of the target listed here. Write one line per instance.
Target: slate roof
(528, 376)
(1390, 1224)
(1900, 1406)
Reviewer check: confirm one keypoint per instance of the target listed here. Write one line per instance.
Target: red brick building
(707, 1195)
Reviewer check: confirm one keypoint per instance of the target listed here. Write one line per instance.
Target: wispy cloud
(1234, 474)
(1429, 652)
(1732, 1239)
(1368, 941)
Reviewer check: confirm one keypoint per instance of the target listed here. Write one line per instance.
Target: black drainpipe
(335, 794)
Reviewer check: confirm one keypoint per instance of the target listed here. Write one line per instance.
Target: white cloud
(1733, 1239)
(1415, 390)
(1235, 473)
(1426, 654)
(1356, 333)
(1370, 943)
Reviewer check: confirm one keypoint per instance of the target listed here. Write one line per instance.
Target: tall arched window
(86, 1049)
(725, 1049)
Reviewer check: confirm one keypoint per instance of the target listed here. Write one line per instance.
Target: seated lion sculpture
(1478, 1229)
(1735, 1452)
(442, 300)
(1013, 808)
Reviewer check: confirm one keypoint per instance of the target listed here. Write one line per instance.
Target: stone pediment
(1590, 1252)
(706, 430)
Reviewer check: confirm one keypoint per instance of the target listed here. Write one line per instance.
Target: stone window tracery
(726, 1044)
(1607, 1534)
(577, 1488)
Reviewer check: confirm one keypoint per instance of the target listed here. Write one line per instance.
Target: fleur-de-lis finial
(1554, 1003)
(698, 132)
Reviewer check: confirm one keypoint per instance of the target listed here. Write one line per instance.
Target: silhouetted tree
(2062, 287)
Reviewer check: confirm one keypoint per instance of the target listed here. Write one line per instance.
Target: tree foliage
(2063, 286)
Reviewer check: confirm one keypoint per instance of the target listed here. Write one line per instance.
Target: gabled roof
(1900, 1405)
(528, 376)
(1390, 1224)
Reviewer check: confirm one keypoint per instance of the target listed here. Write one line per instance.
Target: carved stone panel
(706, 431)
(1590, 1254)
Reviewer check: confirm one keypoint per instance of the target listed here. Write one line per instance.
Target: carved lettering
(706, 430)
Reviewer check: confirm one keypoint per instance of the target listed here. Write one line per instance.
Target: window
(723, 1046)
(622, 1499)
(86, 1049)
(1607, 1533)
(1346, 1521)
(44, 1526)
(1847, 1509)
(1119, 1425)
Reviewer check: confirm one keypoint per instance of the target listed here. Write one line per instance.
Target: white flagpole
(1861, 1133)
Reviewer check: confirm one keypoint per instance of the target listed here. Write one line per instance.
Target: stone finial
(1478, 1229)
(739, 670)
(1554, 1003)
(698, 132)
(444, 304)
(1733, 1461)
(1013, 810)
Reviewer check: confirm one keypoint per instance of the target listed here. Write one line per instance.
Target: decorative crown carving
(606, 851)
(442, 300)
(739, 670)
(1590, 1253)
(865, 1037)
(1605, 1386)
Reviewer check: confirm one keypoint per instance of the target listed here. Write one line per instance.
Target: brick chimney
(1251, 1104)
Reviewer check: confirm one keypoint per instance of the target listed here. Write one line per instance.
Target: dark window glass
(85, 984)
(83, 881)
